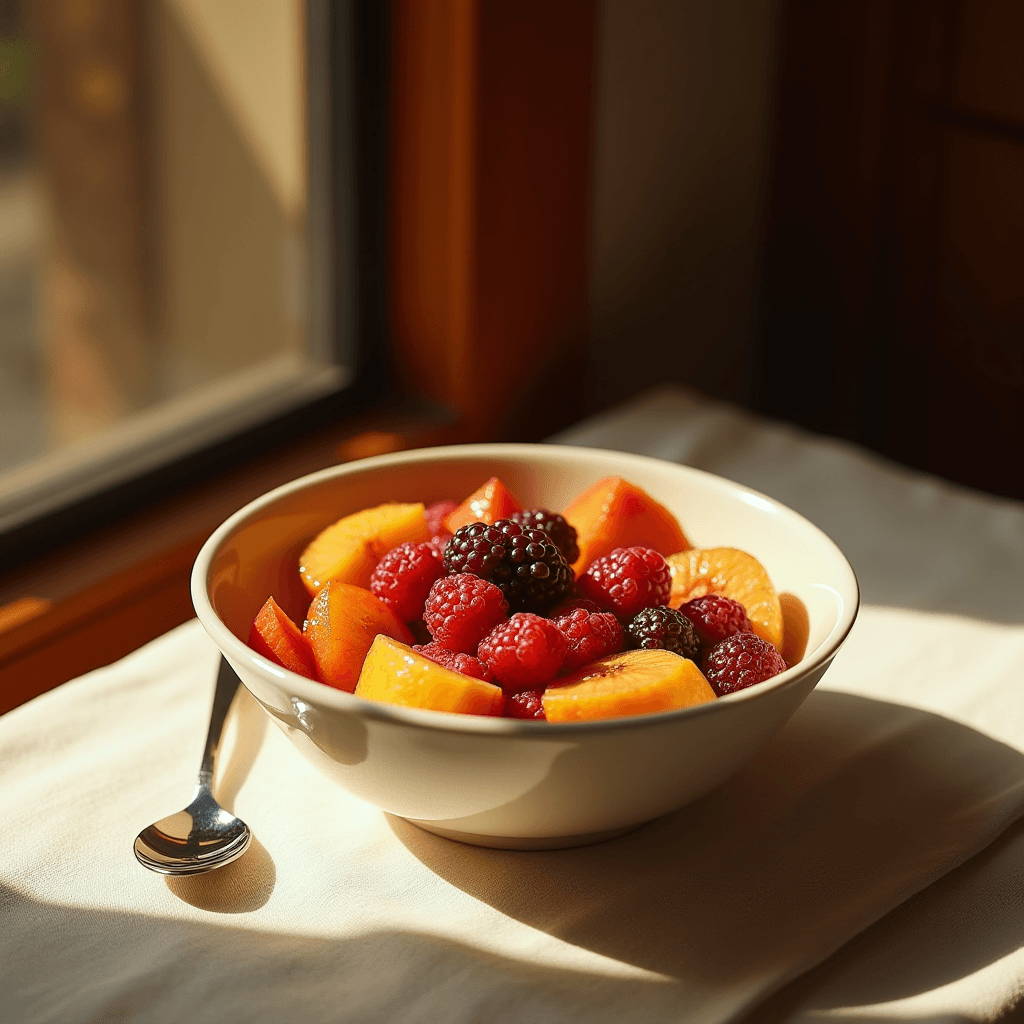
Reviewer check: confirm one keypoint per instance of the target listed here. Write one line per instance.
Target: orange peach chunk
(342, 624)
(487, 504)
(395, 674)
(278, 639)
(349, 550)
(614, 513)
(630, 683)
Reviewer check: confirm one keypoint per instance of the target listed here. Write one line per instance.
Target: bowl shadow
(852, 808)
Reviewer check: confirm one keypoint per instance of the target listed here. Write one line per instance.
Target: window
(176, 233)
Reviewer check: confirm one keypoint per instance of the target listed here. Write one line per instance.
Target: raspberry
(524, 563)
(561, 533)
(628, 580)
(715, 617)
(740, 661)
(524, 653)
(666, 629)
(461, 609)
(464, 663)
(436, 514)
(590, 635)
(404, 576)
(525, 705)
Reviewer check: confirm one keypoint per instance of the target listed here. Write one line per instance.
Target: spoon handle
(227, 686)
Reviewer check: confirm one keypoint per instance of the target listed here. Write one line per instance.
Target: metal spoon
(203, 836)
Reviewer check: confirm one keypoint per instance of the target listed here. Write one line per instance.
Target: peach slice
(630, 683)
(731, 573)
(349, 550)
(614, 513)
(342, 624)
(487, 504)
(279, 640)
(395, 674)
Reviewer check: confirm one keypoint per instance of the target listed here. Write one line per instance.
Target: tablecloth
(865, 866)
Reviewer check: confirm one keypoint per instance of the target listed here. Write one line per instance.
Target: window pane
(154, 252)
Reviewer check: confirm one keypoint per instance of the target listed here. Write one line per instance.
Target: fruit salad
(483, 607)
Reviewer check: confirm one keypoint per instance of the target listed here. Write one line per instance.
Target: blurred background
(815, 211)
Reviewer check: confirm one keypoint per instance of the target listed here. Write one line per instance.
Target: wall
(683, 108)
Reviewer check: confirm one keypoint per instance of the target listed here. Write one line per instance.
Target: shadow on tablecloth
(855, 806)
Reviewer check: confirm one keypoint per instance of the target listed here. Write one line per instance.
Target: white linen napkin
(907, 761)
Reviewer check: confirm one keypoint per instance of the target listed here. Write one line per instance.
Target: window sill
(91, 602)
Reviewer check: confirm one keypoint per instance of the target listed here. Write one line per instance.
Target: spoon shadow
(240, 887)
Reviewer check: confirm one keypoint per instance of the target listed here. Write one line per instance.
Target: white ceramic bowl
(504, 782)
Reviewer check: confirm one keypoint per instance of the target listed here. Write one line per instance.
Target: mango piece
(396, 674)
(614, 513)
(487, 504)
(349, 550)
(279, 640)
(731, 573)
(343, 622)
(630, 683)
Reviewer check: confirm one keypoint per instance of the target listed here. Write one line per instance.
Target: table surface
(867, 865)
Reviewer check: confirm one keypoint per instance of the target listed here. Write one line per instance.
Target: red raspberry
(524, 653)
(525, 705)
(436, 514)
(715, 617)
(460, 609)
(404, 576)
(628, 580)
(590, 635)
(739, 661)
(464, 663)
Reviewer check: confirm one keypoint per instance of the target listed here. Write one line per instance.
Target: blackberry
(525, 564)
(555, 526)
(664, 628)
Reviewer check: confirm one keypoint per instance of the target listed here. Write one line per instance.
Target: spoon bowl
(204, 835)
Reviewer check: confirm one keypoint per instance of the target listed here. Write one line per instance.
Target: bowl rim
(443, 721)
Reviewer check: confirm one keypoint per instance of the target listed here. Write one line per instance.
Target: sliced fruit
(796, 628)
(349, 550)
(487, 504)
(395, 674)
(279, 640)
(731, 573)
(617, 514)
(342, 624)
(631, 683)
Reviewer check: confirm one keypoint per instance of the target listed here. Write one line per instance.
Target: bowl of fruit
(524, 646)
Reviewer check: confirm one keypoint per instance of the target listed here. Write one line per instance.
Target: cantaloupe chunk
(342, 624)
(396, 674)
(487, 504)
(348, 551)
(731, 573)
(630, 683)
(614, 513)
